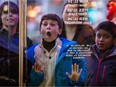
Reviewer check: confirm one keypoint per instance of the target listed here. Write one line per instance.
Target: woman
(9, 44)
(74, 27)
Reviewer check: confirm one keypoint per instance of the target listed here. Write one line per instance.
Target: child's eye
(98, 35)
(45, 24)
(106, 36)
(5, 12)
(52, 24)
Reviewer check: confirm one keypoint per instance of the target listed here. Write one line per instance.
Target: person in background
(111, 6)
(111, 16)
(102, 62)
(51, 64)
(9, 44)
(72, 28)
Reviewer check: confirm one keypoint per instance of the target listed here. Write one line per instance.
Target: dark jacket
(9, 59)
(101, 67)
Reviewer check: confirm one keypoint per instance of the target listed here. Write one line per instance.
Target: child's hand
(75, 73)
(37, 68)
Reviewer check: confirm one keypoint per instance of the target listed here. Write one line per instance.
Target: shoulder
(113, 54)
(65, 41)
(30, 53)
(66, 44)
(32, 48)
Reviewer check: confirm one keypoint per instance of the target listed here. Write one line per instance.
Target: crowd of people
(47, 62)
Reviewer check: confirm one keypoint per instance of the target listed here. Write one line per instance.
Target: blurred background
(97, 12)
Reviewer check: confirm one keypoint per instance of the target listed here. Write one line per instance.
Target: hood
(94, 52)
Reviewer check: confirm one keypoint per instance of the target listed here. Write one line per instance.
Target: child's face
(50, 30)
(103, 40)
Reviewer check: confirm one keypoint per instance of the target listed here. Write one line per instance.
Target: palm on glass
(75, 73)
(37, 68)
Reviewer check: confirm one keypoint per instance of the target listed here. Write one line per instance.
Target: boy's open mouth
(48, 33)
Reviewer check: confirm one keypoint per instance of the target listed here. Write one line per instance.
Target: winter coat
(101, 70)
(63, 65)
(9, 59)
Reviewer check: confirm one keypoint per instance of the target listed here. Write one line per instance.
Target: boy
(102, 63)
(52, 66)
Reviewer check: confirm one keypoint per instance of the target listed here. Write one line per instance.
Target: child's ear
(115, 41)
(60, 31)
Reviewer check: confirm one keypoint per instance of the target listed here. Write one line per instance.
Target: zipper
(103, 73)
(99, 62)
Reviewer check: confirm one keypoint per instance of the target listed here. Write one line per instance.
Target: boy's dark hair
(108, 26)
(52, 16)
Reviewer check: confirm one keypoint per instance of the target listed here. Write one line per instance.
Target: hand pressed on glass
(37, 68)
(75, 73)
